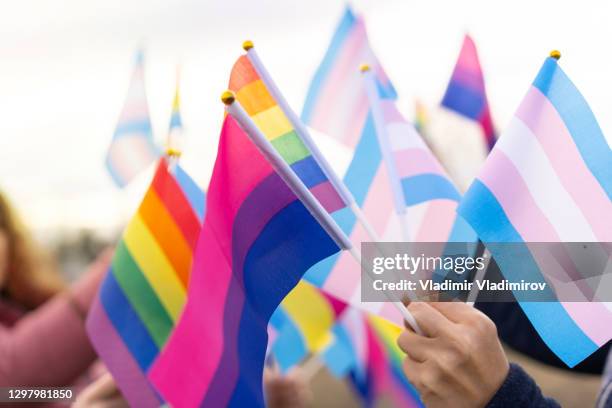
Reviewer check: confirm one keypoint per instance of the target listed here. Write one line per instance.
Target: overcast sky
(65, 67)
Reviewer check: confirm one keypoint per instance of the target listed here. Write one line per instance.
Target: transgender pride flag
(336, 103)
(132, 149)
(549, 179)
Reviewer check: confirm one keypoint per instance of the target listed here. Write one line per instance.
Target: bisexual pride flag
(461, 132)
(256, 242)
(466, 93)
(132, 148)
(548, 180)
(336, 103)
(144, 291)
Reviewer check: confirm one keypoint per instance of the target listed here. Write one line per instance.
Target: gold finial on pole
(556, 54)
(247, 45)
(364, 67)
(173, 153)
(228, 97)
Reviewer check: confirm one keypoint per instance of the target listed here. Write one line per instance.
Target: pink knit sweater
(49, 346)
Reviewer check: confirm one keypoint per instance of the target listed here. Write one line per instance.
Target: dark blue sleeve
(520, 391)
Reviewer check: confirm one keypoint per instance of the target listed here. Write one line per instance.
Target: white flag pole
(173, 150)
(385, 148)
(304, 135)
(313, 205)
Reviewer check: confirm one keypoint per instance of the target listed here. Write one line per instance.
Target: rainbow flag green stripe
(141, 295)
(259, 104)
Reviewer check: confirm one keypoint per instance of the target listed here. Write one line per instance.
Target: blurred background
(65, 68)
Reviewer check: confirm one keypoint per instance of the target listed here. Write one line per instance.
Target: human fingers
(430, 320)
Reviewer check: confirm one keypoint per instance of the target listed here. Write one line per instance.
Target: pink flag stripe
(544, 184)
(339, 73)
(542, 118)
(199, 372)
(505, 182)
(437, 222)
(345, 277)
(328, 196)
(390, 111)
(412, 162)
(130, 379)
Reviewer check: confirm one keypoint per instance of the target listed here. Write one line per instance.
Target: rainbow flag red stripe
(145, 289)
(257, 101)
(256, 242)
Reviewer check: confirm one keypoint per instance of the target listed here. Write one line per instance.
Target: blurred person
(42, 333)
(289, 390)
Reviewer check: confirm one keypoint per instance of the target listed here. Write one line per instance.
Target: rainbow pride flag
(336, 103)
(144, 291)
(132, 148)
(303, 324)
(549, 180)
(466, 93)
(256, 242)
(257, 101)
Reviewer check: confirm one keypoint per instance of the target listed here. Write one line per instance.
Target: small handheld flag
(132, 148)
(548, 179)
(144, 291)
(336, 103)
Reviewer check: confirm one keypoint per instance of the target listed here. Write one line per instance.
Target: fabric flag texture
(466, 93)
(549, 179)
(303, 324)
(256, 242)
(132, 148)
(375, 377)
(400, 389)
(461, 133)
(259, 104)
(336, 103)
(144, 291)
(431, 208)
(415, 173)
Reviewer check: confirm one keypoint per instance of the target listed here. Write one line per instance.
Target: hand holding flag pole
(234, 108)
(304, 135)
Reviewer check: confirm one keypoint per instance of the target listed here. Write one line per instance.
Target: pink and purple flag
(336, 103)
(132, 148)
(548, 179)
(461, 132)
(256, 242)
(466, 93)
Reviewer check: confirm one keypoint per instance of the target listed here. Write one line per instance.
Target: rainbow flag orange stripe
(257, 101)
(145, 289)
